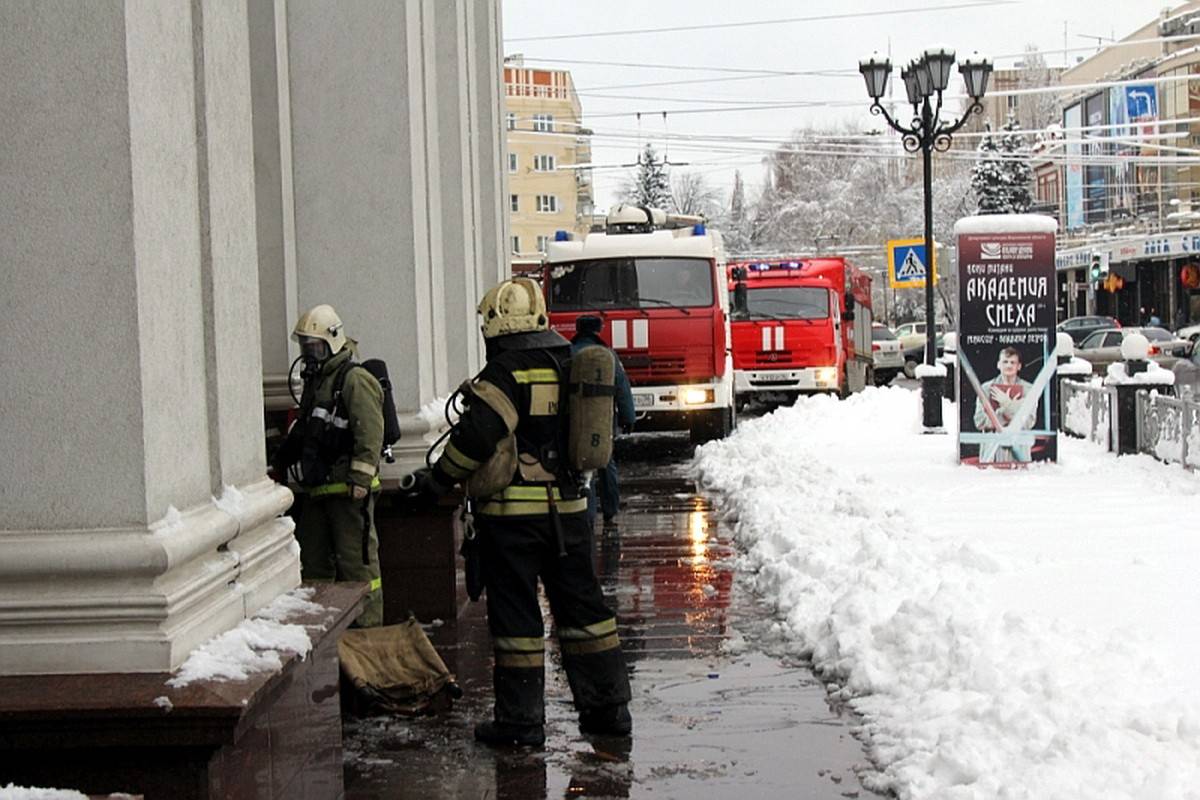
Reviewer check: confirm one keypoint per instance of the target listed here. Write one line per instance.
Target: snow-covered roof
(680, 243)
(1006, 223)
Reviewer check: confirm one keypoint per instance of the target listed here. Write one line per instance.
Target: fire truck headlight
(826, 374)
(694, 397)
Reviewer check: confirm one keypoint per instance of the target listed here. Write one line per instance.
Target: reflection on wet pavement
(714, 713)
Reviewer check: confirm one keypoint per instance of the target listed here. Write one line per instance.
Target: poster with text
(1008, 395)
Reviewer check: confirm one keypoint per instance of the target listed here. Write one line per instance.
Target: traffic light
(1099, 269)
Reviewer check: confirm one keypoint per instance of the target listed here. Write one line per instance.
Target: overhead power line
(753, 23)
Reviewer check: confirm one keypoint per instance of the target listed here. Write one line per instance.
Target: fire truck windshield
(786, 302)
(631, 283)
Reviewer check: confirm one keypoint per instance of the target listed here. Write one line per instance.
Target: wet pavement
(717, 711)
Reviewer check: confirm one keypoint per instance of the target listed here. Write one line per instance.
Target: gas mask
(314, 352)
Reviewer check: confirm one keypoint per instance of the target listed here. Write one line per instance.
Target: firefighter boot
(611, 720)
(520, 705)
(502, 733)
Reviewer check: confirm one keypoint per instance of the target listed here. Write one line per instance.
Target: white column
(131, 296)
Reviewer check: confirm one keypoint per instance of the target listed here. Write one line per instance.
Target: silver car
(886, 353)
(1104, 347)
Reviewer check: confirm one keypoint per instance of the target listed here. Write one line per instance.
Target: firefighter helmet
(321, 322)
(513, 306)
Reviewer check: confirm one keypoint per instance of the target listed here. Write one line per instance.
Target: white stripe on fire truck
(766, 332)
(779, 338)
(641, 333)
(620, 334)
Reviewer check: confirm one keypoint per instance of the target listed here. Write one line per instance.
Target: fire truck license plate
(643, 400)
(776, 378)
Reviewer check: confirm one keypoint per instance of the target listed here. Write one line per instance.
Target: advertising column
(1008, 407)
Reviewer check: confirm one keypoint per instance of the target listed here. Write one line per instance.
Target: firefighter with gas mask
(331, 456)
(529, 517)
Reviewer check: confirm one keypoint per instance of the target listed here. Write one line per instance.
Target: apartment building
(546, 144)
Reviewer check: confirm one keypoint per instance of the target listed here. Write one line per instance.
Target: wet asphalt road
(717, 712)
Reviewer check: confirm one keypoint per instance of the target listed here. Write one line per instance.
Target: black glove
(422, 487)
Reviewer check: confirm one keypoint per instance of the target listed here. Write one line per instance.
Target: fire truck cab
(658, 283)
(800, 325)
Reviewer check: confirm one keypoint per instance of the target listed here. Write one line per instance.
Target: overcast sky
(834, 45)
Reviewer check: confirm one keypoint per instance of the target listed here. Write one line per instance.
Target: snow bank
(256, 645)
(1006, 634)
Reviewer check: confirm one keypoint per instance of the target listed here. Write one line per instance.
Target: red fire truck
(800, 325)
(658, 282)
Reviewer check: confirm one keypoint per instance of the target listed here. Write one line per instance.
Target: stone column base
(141, 599)
(274, 735)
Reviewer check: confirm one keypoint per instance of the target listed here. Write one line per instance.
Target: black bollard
(932, 387)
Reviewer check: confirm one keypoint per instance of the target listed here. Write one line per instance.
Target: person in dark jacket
(606, 483)
(529, 517)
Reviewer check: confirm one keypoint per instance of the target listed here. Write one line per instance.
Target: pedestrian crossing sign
(906, 263)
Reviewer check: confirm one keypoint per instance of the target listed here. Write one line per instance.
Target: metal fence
(1168, 428)
(1089, 412)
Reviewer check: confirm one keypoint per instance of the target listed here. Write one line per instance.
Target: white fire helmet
(321, 322)
(513, 306)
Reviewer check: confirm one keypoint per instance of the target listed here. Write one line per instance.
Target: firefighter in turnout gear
(529, 514)
(331, 456)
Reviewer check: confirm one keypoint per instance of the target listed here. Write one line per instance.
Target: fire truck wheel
(714, 424)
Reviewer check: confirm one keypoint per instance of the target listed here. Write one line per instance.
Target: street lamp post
(928, 131)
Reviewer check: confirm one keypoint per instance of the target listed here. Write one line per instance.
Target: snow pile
(231, 501)
(1076, 366)
(14, 792)
(256, 645)
(1007, 634)
(1154, 375)
(170, 524)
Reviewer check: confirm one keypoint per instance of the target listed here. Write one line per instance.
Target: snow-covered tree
(650, 186)
(1018, 172)
(1002, 176)
(692, 194)
(736, 221)
(987, 176)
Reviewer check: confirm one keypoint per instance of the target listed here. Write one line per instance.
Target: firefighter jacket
(506, 447)
(338, 433)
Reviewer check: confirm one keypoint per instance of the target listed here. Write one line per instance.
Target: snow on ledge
(1076, 366)
(930, 371)
(14, 792)
(1006, 223)
(1154, 375)
(256, 645)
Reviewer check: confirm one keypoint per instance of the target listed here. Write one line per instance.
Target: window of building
(511, 121)
(543, 163)
(516, 244)
(547, 204)
(513, 204)
(512, 162)
(543, 123)
(541, 243)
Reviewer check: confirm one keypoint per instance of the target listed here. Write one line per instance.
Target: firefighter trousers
(516, 552)
(330, 532)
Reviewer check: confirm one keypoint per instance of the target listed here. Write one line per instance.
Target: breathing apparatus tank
(591, 386)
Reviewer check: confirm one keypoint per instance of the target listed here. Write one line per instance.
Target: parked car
(1191, 333)
(912, 334)
(1103, 347)
(1079, 328)
(916, 355)
(885, 350)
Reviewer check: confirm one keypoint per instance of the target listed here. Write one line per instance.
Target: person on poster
(1004, 394)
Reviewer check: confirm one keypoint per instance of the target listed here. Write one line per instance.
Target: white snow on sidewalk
(1004, 633)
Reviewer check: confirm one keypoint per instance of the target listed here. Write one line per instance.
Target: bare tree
(692, 194)
(1036, 111)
